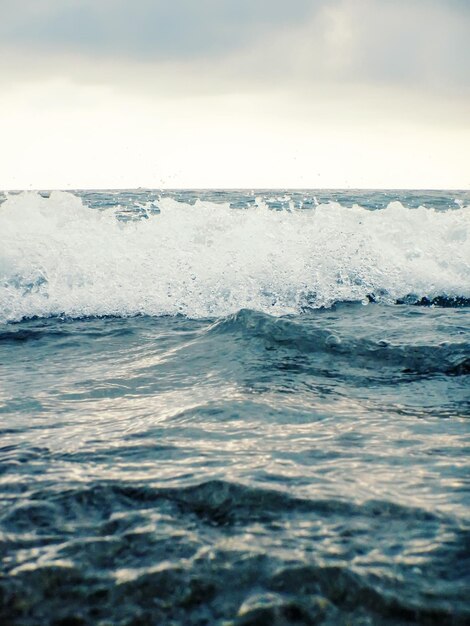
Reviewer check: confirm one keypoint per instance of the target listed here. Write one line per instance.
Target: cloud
(218, 45)
(146, 30)
(234, 92)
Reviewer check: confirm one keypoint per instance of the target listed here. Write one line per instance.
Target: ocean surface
(234, 408)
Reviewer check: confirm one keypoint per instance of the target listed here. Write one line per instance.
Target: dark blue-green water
(235, 408)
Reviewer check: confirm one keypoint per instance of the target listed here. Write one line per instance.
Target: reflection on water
(166, 469)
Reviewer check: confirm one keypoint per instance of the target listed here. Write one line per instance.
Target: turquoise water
(234, 408)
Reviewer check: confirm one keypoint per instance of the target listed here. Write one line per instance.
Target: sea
(234, 408)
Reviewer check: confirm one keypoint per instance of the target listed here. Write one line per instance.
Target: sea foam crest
(58, 256)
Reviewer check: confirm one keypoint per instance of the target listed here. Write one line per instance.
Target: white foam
(58, 256)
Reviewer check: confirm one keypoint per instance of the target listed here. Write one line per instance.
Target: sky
(234, 94)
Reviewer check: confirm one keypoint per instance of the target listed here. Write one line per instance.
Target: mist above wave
(58, 256)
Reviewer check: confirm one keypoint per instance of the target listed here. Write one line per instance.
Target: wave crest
(60, 257)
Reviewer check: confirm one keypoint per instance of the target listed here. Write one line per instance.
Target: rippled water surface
(235, 409)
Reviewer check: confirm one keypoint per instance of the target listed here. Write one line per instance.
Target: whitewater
(61, 257)
(234, 407)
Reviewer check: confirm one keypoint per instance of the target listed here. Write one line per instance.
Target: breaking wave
(61, 257)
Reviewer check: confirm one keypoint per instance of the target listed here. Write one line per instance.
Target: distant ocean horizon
(235, 407)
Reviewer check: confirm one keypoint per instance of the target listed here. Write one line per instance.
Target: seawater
(234, 408)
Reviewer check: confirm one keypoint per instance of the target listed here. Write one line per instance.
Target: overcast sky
(234, 93)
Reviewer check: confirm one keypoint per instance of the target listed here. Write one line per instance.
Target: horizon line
(309, 189)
